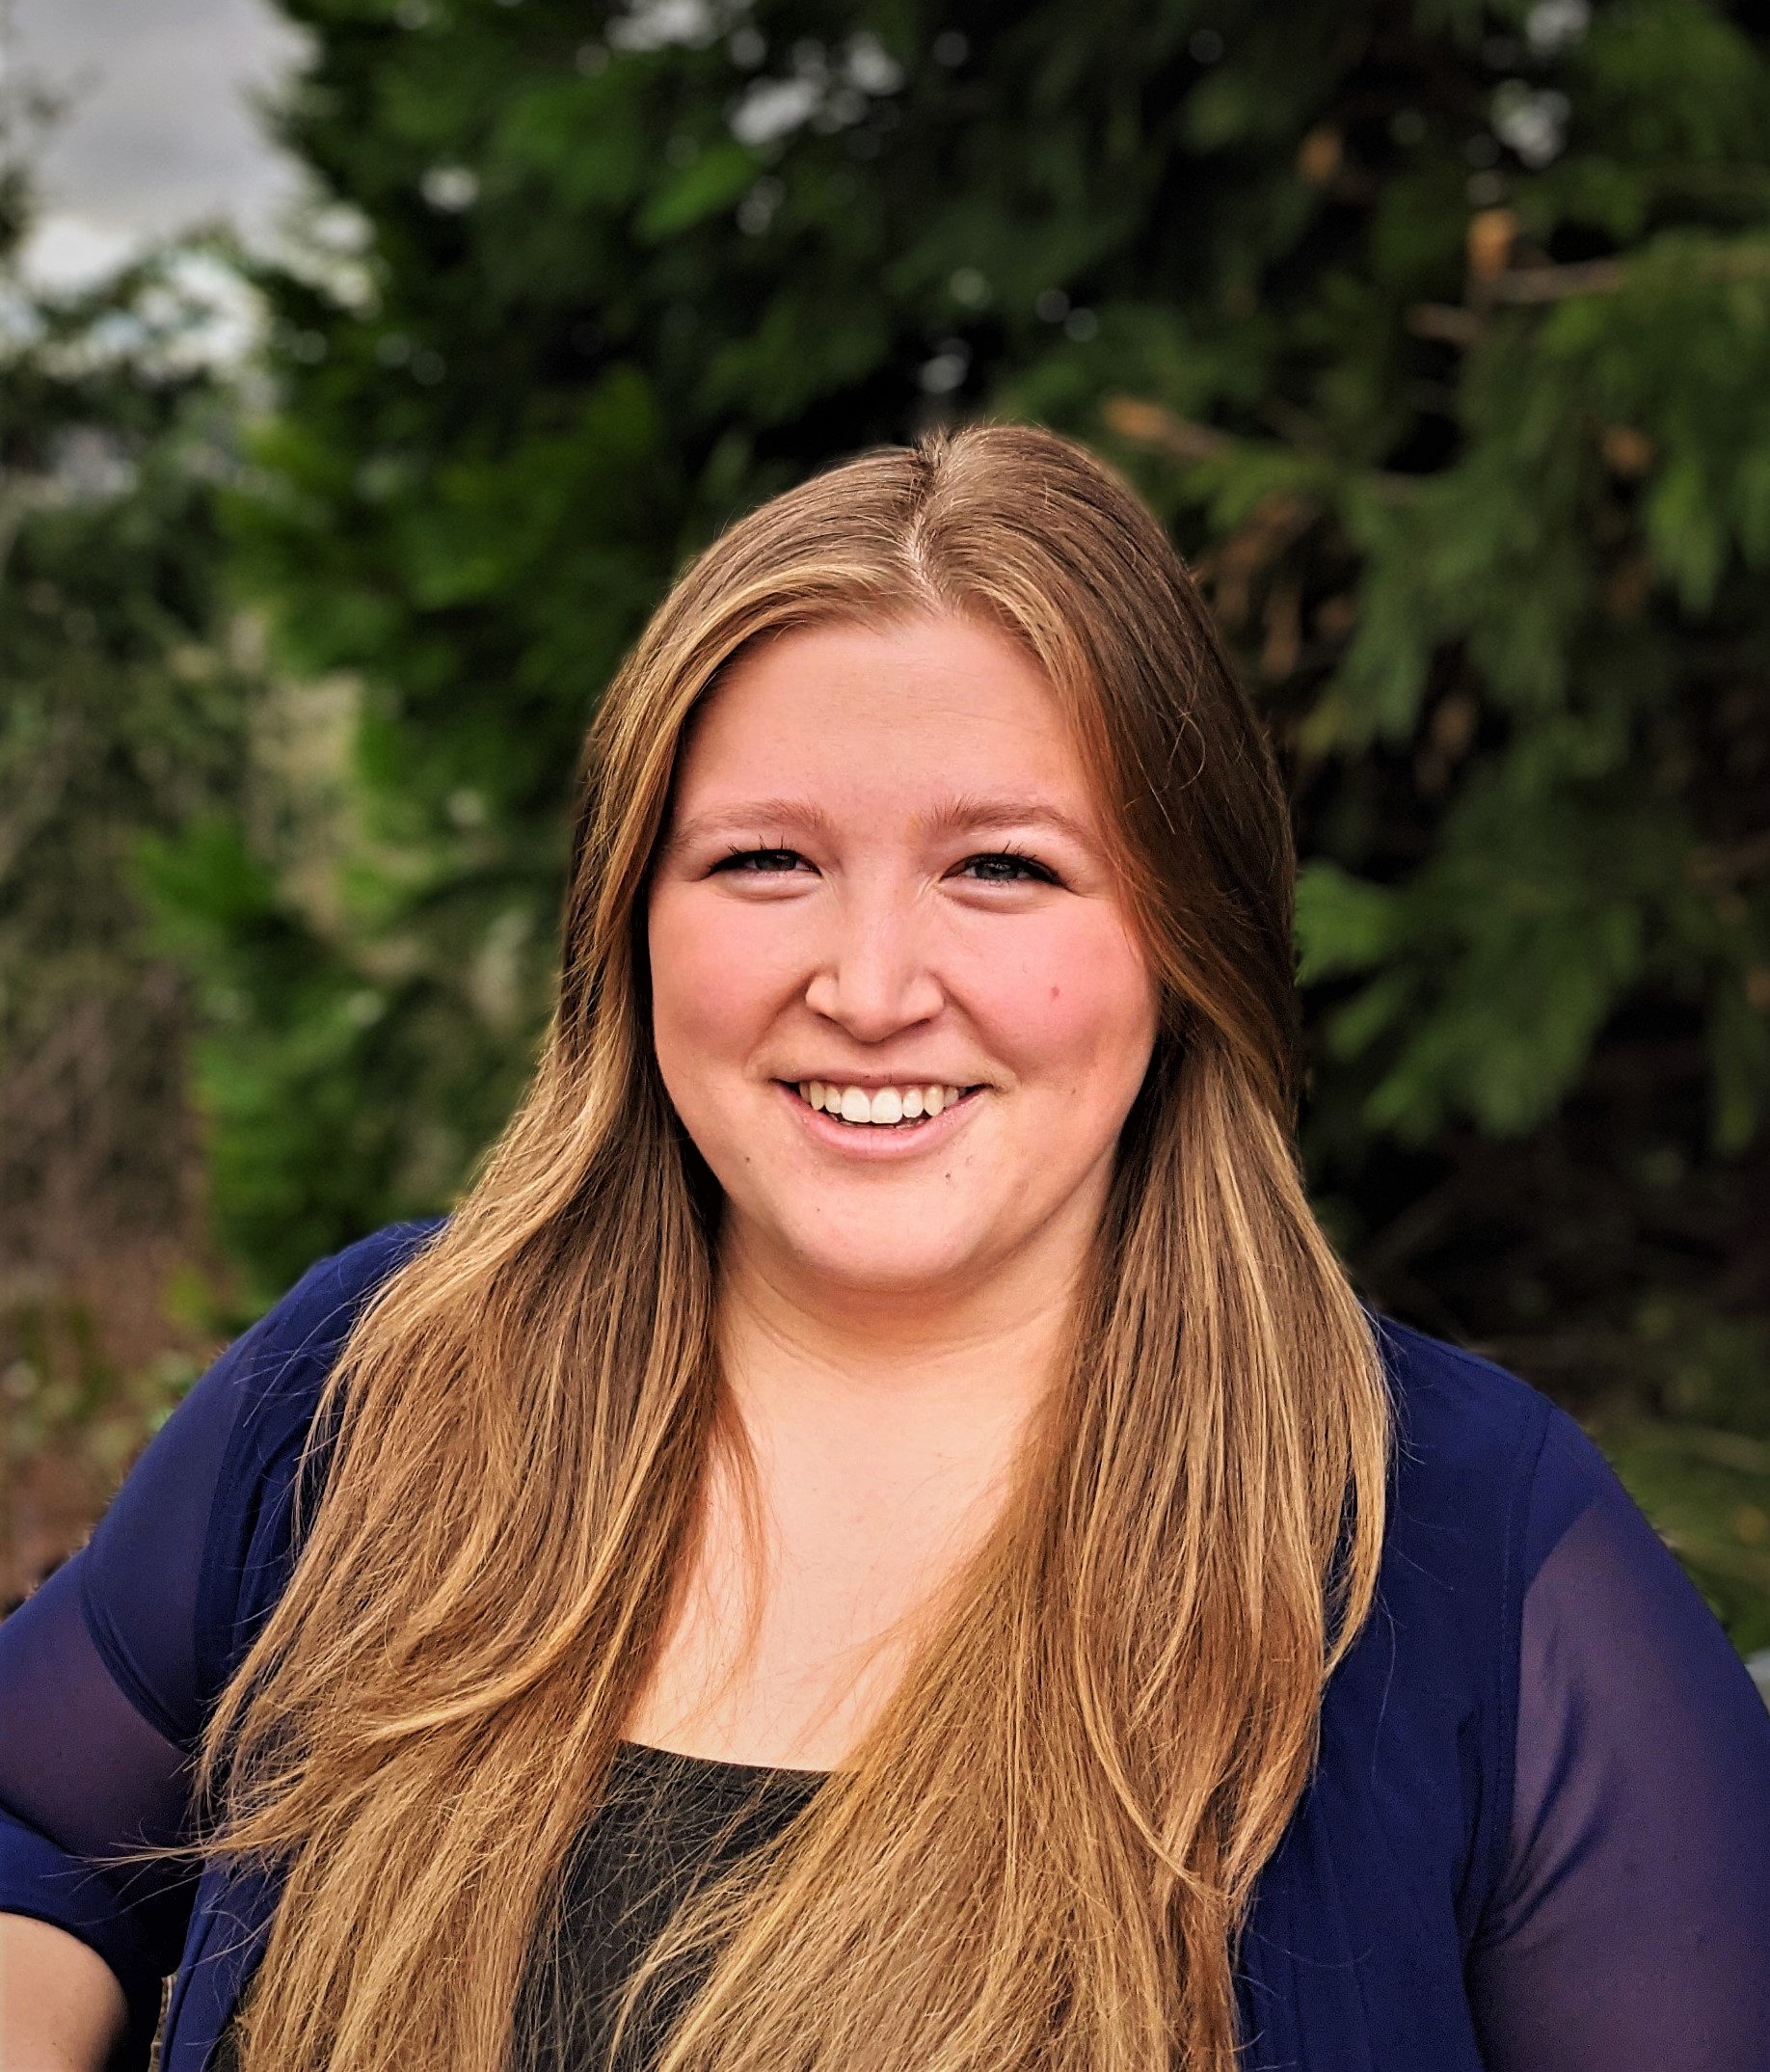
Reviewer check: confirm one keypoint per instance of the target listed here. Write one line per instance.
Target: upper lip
(874, 1081)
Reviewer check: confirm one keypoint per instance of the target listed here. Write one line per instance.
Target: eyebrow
(969, 814)
(960, 815)
(749, 816)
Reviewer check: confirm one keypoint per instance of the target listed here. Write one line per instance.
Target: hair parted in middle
(1041, 1853)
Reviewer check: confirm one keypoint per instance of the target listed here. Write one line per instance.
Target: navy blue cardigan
(1537, 1838)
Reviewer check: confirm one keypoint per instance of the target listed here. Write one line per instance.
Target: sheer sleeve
(1632, 1930)
(108, 1671)
(100, 1709)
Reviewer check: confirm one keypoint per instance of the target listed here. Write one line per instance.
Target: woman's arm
(109, 1669)
(99, 1711)
(1632, 1930)
(61, 2007)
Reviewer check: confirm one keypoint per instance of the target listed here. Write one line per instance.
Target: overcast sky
(159, 131)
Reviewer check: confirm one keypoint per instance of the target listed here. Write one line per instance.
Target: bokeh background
(368, 367)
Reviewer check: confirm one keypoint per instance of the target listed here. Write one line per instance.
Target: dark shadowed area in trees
(1440, 334)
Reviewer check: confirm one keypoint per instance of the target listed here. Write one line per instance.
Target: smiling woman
(878, 1537)
(970, 1026)
(884, 873)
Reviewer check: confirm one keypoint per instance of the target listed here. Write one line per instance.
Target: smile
(879, 1107)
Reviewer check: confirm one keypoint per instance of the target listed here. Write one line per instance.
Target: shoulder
(279, 1369)
(191, 1550)
(277, 1376)
(1486, 1467)
(1419, 1721)
(1470, 1441)
(1454, 1408)
(317, 1312)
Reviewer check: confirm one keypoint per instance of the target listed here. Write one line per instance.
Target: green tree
(1440, 333)
(121, 721)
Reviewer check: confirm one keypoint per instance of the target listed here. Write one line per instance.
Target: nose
(874, 977)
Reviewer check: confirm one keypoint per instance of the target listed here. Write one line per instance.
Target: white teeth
(887, 1106)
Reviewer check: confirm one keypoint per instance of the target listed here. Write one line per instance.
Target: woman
(878, 1534)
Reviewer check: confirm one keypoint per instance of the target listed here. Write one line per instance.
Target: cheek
(1072, 1003)
(712, 990)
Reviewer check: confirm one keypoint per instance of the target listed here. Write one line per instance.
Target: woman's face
(897, 1001)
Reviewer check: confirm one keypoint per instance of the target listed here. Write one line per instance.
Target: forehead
(855, 713)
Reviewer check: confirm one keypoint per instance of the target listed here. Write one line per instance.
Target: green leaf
(1343, 924)
(713, 182)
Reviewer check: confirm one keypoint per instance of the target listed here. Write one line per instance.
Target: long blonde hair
(1041, 1853)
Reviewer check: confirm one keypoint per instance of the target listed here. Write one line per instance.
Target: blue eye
(760, 862)
(1004, 868)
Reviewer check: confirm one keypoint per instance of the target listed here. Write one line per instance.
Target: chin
(887, 1262)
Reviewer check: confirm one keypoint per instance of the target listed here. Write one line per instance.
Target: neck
(924, 1374)
(880, 1435)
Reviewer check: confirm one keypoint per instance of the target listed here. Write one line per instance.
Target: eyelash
(761, 862)
(1032, 869)
(753, 857)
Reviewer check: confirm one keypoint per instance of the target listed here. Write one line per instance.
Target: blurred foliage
(1707, 1492)
(1439, 333)
(120, 721)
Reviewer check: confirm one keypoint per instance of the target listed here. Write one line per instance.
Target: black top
(667, 1825)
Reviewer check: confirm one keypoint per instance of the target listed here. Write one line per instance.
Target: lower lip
(874, 1139)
